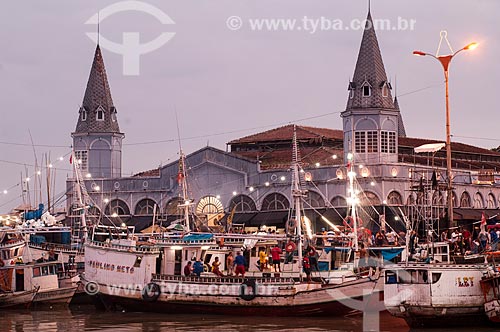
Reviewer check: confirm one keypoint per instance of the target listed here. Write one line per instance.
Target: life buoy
(243, 290)
(290, 225)
(151, 292)
(290, 247)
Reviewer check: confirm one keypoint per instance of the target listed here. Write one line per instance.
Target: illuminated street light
(445, 61)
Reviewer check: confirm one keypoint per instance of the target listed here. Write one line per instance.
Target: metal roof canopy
(429, 148)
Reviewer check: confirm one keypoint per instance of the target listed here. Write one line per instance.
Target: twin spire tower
(372, 122)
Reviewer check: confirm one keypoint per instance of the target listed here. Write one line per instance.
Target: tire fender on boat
(151, 292)
(243, 287)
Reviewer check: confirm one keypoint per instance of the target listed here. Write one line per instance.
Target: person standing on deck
(307, 267)
(197, 267)
(276, 255)
(230, 264)
(188, 269)
(240, 264)
(262, 259)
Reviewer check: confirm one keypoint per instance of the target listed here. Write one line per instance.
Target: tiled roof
(149, 173)
(97, 94)
(456, 147)
(282, 159)
(285, 133)
(369, 68)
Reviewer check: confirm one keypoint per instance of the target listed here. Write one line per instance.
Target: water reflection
(86, 318)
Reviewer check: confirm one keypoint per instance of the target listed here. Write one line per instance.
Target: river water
(86, 318)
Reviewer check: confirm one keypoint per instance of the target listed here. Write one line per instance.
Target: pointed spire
(370, 72)
(401, 125)
(97, 113)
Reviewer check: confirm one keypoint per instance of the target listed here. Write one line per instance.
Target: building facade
(253, 180)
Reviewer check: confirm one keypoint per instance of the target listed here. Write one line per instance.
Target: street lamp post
(445, 61)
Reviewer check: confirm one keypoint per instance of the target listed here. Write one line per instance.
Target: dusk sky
(226, 82)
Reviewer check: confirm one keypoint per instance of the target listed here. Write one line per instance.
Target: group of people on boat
(235, 266)
(462, 241)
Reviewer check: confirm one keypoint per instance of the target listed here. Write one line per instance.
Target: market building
(252, 178)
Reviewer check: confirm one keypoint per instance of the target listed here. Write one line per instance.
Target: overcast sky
(225, 83)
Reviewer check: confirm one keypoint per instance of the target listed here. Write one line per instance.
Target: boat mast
(181, 180)
(82, 195)
(353, 200)
(297, 194)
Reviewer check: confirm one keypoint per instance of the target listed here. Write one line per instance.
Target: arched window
(242, 203)
(454, 199)
(367, 89)
(209, 205)
(437, 198)
(478, 201)
(410, 200)
(491, 203)
(394, 198)
(368, 198)
(275, 201)
(338, 201)
(172, 206)
(145, 206)
(465, 201)
(314, 200)
(99, 116)
(117, 206)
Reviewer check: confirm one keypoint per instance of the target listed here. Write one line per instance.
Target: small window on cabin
(435, 277)
(138, 260)
(45, 270)
(84, 115)
(391, 277)
(366, 90)
(36, 272)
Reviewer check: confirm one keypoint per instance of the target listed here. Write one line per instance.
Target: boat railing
(180, 241)
(223, 280)
(56, 247)
(122, 247)
(11, 243)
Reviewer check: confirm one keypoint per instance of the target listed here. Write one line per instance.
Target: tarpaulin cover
(197, 237)
(389, 254)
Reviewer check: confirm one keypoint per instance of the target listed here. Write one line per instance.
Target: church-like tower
(371, 122)
(97, 140)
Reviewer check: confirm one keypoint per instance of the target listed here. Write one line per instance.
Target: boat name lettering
(110, 267)
(465, 282)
